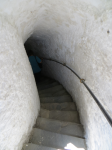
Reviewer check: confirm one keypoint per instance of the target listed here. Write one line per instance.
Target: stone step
(51, 89)
(43, 87)
(61, 90)
(31, 146)
(47, 81)
(56, 140)
(67, 106)
(69, 116)
(52, 94)
(68, 128)
(56, 99)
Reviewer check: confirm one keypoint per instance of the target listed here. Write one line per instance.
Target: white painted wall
(74, 32)
(19, 101)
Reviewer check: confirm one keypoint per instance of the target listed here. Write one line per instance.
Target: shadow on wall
(38, 44)
(35, 62)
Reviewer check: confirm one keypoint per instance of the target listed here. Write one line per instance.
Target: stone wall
(19, 101)
(77, 33)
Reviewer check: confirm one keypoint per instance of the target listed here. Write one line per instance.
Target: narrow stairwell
(58, 123)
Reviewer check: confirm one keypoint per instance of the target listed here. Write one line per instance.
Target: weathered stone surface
(68, 128)
(51, 89)
(31, 146)
(70, 116)
(57, 99)
(51, 139)
(43, 87)
(67, 106)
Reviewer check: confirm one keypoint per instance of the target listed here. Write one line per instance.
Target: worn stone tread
(31, 146)
(56, 99)
(60, 91)
(52, 89)
(68, 128)
(58, 123)
(69, 116)
(67, 106)
(46, 82)
(51, 94)
(43, 87)
(56, 140)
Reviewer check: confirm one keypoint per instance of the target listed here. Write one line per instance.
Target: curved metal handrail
(109, 119)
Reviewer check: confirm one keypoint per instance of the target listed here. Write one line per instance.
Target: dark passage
(36, 64)
(58, 123)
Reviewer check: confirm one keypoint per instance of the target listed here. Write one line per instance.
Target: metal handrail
(109, 119)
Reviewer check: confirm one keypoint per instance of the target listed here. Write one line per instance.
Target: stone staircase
(58, 123)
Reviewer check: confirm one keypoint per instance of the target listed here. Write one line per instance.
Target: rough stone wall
(82, 40)
(19, 101)
(75, 32)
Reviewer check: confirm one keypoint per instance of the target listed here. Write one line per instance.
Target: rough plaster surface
(19, 101)
(71, 31)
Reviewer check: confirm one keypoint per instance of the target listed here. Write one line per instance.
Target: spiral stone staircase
(58, 123)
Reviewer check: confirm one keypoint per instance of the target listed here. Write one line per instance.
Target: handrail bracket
(82, 80)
